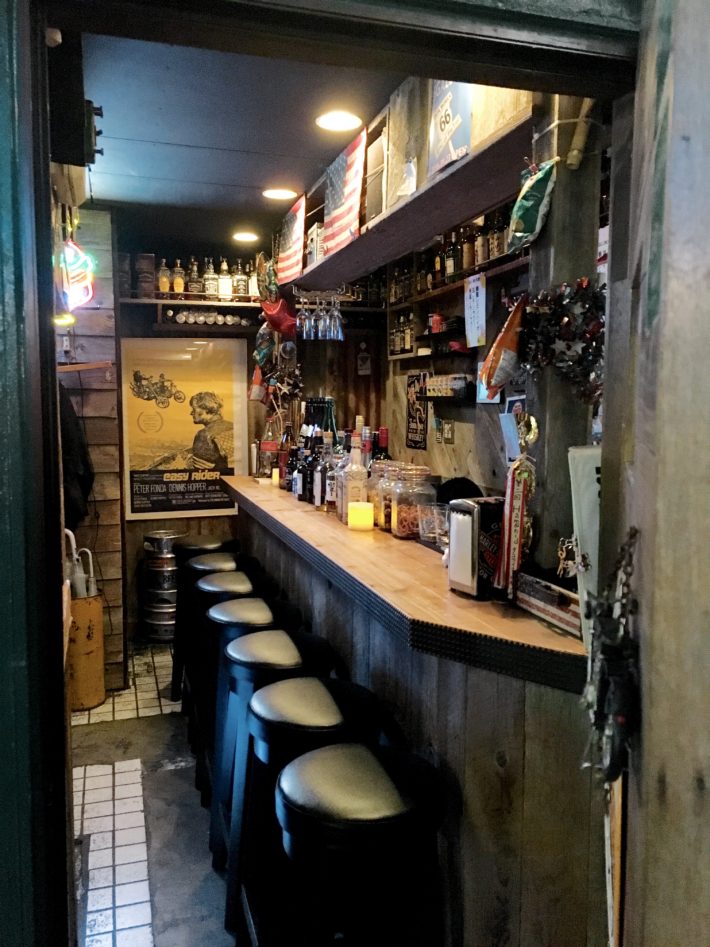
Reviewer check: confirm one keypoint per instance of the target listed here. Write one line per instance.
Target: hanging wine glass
(301, 317)
(323, 328)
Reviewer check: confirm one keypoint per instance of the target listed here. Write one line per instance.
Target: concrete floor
(187, 896)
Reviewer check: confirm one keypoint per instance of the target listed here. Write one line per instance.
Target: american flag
(290, 262)
(342, 196)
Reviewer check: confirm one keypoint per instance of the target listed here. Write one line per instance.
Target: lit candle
(361, 516)
(274, 476)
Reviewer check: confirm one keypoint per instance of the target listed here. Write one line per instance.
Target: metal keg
(159, 593)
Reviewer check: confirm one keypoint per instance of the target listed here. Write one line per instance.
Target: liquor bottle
(253, 287)
(290, 470)
(329, 423)
(481, 241)
(224, 282)
(366, 450)
(178, 276)
(394, 287)
(241, 283)
(381, 452)
(285, 447)
(354, 479)
(163, 281)
(300, 478)
(268, 448)
(451, 260)
(313, 461)
(468, 252)
(396, 339)
(408, 345)
(195, 286)
(321, 472)
(498, 239)
(210, 280)
(406, 284)
(342, 464)
(294, 481)
(440, 263)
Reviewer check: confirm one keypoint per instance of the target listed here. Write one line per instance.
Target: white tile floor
(108, 812)
(148, 693)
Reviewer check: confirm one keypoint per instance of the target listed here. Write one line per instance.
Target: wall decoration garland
(564, 328)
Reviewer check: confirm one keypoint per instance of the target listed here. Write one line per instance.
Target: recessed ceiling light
(338, 121)
(279, 193)
(245, 236)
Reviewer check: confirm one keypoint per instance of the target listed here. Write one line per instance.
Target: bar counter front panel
(487, 693)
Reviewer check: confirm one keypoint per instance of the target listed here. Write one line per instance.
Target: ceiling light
(279, 193)
(338, 121)
(245, 236)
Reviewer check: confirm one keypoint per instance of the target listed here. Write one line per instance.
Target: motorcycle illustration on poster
(184, 425)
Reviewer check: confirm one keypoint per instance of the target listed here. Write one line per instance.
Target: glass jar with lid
(377, 472)
(383, 503)
(411, 489)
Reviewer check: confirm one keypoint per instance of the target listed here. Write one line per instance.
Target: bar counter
(483, 691)
(405, 587)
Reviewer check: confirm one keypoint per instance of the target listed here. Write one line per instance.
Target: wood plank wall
(521, 848)
(95, 397)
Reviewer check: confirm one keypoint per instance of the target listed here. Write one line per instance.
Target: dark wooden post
(565, 251)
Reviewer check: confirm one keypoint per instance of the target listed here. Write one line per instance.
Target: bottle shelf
(189, 303)
(496, 268)
(194, 328)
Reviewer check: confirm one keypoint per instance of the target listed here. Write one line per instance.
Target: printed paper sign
(475, 310)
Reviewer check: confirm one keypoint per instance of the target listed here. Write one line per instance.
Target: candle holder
(361, 516)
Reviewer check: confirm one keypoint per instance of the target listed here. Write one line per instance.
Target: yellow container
(85, 657)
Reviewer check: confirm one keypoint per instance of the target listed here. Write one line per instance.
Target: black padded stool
(188, 573)
(285, 720)
(248, 663)
(201, 661)
(360, 829)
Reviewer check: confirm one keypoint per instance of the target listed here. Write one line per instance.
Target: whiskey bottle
(195, 287)
(240, 282)
(381, 452)
(321, 475)
(468, 250)
(253, 283)
(163, 281)
(178, 276)
(210, 280)
(224, 282)
(481, 241)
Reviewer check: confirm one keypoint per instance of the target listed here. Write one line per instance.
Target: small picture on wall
(515, 404)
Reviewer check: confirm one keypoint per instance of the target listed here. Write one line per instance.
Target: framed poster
(184, 425)
(417, 411)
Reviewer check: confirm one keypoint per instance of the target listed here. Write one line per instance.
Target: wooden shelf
(189, 303)
(474, 185)
(448, 399)
(184, 328)
(510, 265)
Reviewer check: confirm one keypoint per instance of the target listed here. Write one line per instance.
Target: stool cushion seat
(273, 649)
(193, 541)
(235, 582)
(297, 702)
(342, 783)
(242, 611)
(213, 562)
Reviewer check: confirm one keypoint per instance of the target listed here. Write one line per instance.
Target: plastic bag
(532, 205)
(501, 364)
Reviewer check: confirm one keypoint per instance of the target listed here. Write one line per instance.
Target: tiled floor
(148, 693)
(108, 812)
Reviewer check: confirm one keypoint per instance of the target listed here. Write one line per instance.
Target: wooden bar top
(405, 586)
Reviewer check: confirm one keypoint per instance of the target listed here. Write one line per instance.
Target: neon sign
(79, 275)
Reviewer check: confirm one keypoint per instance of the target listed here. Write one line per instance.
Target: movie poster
(184, 425)
(417, 411)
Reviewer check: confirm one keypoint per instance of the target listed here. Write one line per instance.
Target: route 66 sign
(450, 123)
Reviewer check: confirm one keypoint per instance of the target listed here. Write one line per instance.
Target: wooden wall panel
(104, 458)
(95, 404)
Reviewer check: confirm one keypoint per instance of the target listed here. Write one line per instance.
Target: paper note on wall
(475, 310)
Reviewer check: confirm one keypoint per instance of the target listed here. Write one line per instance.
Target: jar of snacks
(383, 504)
(412, 489)
(377, 472)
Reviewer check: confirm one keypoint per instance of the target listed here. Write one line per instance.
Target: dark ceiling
(191, 137)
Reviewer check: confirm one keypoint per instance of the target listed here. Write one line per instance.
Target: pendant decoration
(515, 534)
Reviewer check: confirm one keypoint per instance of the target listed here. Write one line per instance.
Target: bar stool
(360, 829)
(248, 663)
(201, 660)
(285, 720)
(185, 548)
